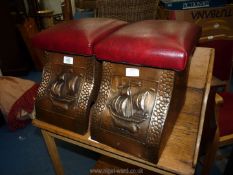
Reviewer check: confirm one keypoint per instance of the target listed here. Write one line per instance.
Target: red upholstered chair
(225, 119)
(224, 132)
(224, 101)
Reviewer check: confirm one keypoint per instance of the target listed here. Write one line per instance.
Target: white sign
(68, 60)
(132, 72)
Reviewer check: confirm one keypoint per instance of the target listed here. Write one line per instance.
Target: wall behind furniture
(55, 5)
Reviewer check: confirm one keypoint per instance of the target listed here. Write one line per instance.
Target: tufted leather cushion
(76, 36)
(156, 43)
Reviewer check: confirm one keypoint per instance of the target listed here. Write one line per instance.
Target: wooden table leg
(52, 149)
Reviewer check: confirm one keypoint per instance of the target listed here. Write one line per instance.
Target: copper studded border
(87, 86)
(46, 78)
(163, 98)
(102, 97)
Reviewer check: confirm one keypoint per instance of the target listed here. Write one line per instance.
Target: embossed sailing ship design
(64, 90)
(131, 107)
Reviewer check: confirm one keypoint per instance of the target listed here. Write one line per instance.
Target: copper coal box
(68, 88)
(136, 108)
(144, 75)
(70, 82)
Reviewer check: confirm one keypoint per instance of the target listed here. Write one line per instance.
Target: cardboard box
(216, 22)
(217, 33)
(190, 4)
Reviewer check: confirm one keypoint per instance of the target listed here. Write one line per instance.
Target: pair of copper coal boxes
(126, 81)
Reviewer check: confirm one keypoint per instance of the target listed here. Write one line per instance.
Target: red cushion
(156, 43)
(76, 36)
(226, 114)
(223, 54)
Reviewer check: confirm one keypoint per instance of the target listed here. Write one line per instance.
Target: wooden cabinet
(14, 57)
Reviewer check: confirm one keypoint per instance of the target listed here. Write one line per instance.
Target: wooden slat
(226, 140)
(180, 146)
(208, 80)
(179, 150)
(199, 67)
(218, 83)
(192, 103)
(84, 142)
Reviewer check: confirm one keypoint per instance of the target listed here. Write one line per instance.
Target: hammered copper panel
(130, 112)
(46, 78)
(67, 91)
(161, 106)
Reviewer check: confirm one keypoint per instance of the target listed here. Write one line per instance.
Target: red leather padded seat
(156, 43)
(76, 36)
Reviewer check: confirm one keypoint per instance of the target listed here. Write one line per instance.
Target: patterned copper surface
(67, 91)
(160, 110)
(46, 78)
(130, 112)
(103, 93)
